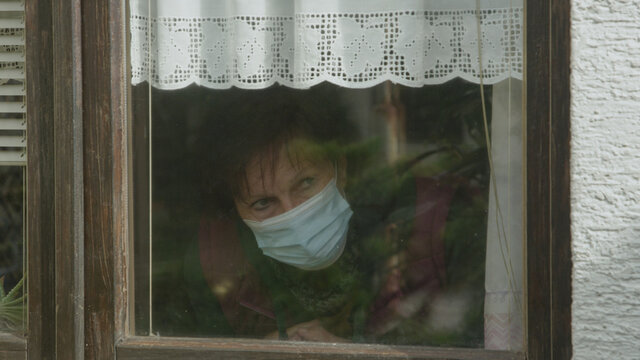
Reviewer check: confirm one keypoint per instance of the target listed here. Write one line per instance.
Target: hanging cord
(502, 240)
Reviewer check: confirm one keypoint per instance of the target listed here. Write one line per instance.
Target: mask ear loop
(336, 176)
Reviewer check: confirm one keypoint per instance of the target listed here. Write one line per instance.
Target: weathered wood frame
(78, 208)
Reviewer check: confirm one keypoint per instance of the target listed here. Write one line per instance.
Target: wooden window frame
(78, 208)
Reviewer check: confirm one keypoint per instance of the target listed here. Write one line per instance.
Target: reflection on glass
(326, 214)
(12, 294)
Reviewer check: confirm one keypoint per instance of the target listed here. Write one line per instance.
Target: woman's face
(273, 190)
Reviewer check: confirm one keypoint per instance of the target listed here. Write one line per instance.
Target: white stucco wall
(605, 175)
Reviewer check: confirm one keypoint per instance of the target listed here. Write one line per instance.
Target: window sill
(191, 348)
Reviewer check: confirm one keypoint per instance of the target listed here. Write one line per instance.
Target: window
(12, 177)
(370, 88)
(106, 233)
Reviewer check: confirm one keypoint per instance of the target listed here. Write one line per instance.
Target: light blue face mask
(310, 236)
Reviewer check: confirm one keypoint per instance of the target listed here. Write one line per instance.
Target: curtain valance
(299, 43)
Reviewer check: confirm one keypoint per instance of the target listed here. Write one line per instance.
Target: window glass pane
(12, 295)
(355, 209)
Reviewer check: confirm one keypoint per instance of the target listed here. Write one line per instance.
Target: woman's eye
(261, 204)
(307, 182)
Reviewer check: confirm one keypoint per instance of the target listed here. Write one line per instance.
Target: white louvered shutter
(13, 141)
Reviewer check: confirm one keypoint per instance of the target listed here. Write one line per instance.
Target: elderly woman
(307, 237)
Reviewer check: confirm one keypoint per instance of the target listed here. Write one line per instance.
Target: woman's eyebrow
(260, 193)
(249, 198)
(304, 171)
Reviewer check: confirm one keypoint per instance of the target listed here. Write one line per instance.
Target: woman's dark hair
(244, 123)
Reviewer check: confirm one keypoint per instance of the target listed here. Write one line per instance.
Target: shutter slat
(12, 107)
(11, 24)
(13, 124)
(11, 6)
(12, 90)
(11, 57)
(13, 158)
(17, 74)
(11, 40)
(13, 141)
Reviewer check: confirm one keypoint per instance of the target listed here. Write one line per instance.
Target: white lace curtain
(300, 43)
(356, 44)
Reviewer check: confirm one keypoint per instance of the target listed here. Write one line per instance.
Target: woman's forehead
(266, 170)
